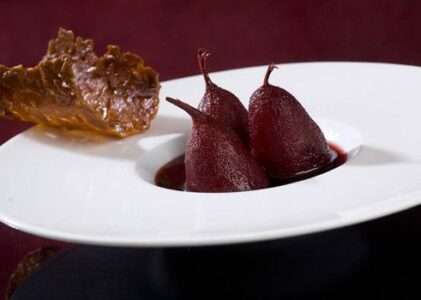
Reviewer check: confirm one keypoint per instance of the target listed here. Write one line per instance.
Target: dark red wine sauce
(172, 175)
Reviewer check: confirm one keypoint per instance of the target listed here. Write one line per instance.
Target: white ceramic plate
(89, 189)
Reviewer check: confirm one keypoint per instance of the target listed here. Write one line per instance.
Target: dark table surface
(383, 254)
(375, 260)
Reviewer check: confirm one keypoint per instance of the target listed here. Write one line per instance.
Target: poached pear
(221, 104)
(216, 160)
(283, 137)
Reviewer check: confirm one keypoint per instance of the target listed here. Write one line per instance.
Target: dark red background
(239, 33)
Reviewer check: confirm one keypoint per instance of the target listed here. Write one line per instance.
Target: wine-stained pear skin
(216, 160)
(221, 104)
(283, 137)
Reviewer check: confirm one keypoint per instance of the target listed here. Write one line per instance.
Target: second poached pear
(216, 160)
(221, 104)
(283, 137)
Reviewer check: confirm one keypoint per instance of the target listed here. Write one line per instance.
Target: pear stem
(271, 67)
(202, 55)
(196, 114)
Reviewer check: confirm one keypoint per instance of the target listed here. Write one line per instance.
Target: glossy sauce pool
(172, 175)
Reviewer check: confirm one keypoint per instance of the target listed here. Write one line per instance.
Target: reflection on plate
(91, 189)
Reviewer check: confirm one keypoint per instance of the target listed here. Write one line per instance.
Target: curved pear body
(283, 137)
(226, 109)
(216, 160)
(222, 105)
